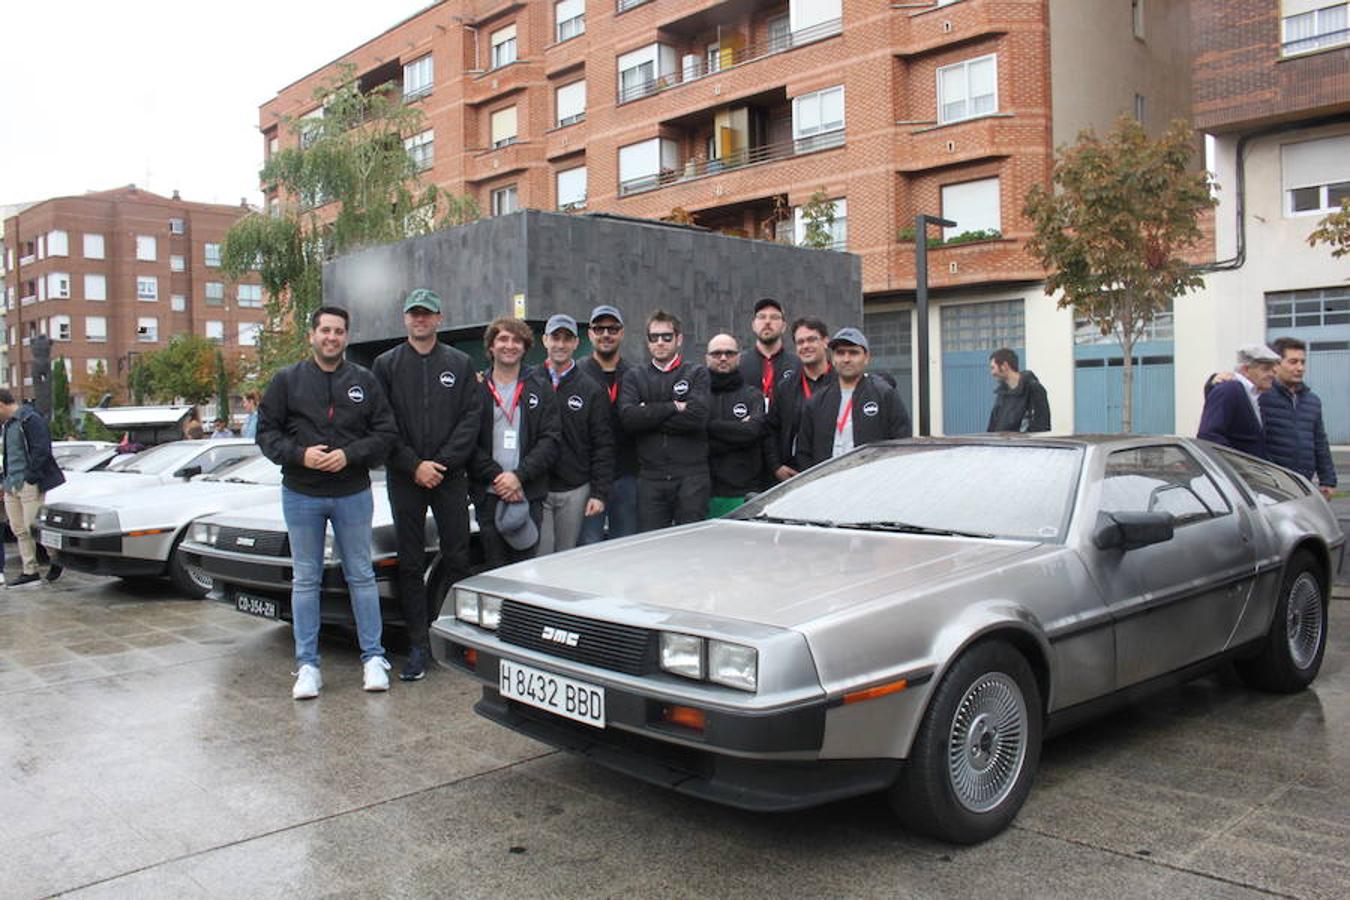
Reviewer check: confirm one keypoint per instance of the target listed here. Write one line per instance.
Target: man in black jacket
(519, 440)
(769, 362)
(1020, 401)
(856, 409)
(809, 336)
(30, 471)
(664, 405)
(327, 423)
(436, 402)
(606, 367)
(579, 481)
(735, 429)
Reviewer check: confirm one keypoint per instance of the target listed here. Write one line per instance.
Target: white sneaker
(374, 671)
(307, 683)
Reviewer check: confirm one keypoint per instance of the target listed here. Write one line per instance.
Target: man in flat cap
(856, 409)
(1232, 413)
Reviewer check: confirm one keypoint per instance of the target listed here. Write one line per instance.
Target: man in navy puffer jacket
(1292, 415)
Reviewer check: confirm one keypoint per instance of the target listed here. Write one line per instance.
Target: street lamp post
(921, 224)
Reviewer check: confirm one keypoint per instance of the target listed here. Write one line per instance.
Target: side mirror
(188, 472)
(1132, 530)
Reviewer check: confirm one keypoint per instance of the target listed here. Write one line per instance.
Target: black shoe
(415, 669)
(54, 572)
(21, 580)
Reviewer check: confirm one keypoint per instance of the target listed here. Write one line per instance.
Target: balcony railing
(1315, 42)
(751, 156)
(701, 67)
(28, 301)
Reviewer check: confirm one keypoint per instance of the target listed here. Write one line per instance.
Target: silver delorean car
(912, 617)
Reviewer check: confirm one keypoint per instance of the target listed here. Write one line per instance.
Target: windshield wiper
(783, 520)
(910, 528)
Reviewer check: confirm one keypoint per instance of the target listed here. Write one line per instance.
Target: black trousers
(496, 551)
(449, 503)
(662, 502)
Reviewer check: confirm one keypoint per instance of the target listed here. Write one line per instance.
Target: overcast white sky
(163, 94)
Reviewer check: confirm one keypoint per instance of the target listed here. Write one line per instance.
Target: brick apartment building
(109, 275)
(1272, 86)
(739, 111)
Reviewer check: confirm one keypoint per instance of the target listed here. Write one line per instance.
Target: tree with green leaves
(1113, 230)
(184, 369)
(1334, 231)
(61, 421)
(348, 184)
(818, 221)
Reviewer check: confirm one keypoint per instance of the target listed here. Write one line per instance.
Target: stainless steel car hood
(780, 575)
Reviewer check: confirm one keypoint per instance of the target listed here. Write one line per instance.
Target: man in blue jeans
(606, 367)
(327, 423)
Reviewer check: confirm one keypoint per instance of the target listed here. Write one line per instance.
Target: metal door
(1321, 319)
(1099, 389)
(970, 332)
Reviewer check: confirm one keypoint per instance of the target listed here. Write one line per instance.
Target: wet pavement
(149, 748)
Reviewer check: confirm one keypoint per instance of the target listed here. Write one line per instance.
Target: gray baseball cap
(422, 298)
(558, 320)
(603, 311)
(1256, 353)
(850, 336)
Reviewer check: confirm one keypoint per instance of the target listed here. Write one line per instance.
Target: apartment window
(215, 330)
(250, 296)
(96, 366)
(273, 145)
(248, 334)
(417, 77)
(41, 289)
(780, 33)
(973, 206)
(145, 248)
(311, 125)
(177, 263)
(968, 89)
(215, 293)
(570, 16)
(818, 119)
(1315, 175)
(571, 102)
(503, 46)
(58, 243)
(60, 330)
(504, 200)
(147, 329)
(816, 17)
(178, 302)
(422, 149)
(95, 287)
(642, 71)
(177, 226)
(572, 188)
(837, 230)
(147, 287)
(1140, 107)
(13, 334)
(96, 328)
(93, 246)
(58, 286)
(641, 164)
(42, 246)
(503, 125)
(212, 255)
(1313, 24)
(1137, 17)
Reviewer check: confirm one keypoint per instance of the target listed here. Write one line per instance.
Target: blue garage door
(890, 333)
(1321, 319)
(970, 332)
(1099, 389)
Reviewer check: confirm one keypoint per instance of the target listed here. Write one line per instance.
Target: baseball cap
(768, 301)
(515, 525)
(1256, 353)
(603, 311)
(558, 321)
(422, 298)
(850, 336)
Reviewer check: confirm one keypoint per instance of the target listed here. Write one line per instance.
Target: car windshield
(252, 470)
(65, 454)
(977, 490)
(148, 462)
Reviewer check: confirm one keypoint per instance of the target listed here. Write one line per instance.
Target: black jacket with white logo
(785, 418)
(540, 439)
(587, 451)
(625, 447)
(345, 409)
(785, 365)
(671, 444)
(878, 414)
(735, 435)
(436, 404)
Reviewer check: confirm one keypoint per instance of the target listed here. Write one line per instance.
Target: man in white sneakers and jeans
(327, 423)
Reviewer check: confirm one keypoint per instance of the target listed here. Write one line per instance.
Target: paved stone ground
(149, 748)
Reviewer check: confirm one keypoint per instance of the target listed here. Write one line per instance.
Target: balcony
(28, 301)
(704, 63)
(28, 260)
(513, 157)
(697, 167)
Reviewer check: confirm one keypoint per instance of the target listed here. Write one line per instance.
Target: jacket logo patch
(681, 388)
(740, 410)
(356, 393)
(447, 379)
(870, 408)
(575, 402)
(560, 636)
(534, 400)
(787, 374)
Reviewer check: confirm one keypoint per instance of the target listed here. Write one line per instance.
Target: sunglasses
(606, 329)
(664, 336)
(721, 354)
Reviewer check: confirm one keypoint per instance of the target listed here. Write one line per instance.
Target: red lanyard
(843, 419)
(674, 364)
(614, 391)
(766, 378)
(806, 385)
(515, 401)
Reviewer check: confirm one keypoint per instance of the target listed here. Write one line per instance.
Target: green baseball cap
(422, 299)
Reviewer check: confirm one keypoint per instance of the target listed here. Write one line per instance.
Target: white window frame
(214, 325)
(838, 229)
(177, 226)
(568, 197)
(147, 288)
(419, 77)
(91, 366)
(500, 197)
(1325, 203)
(248, 333)
(60, 328)
(96, 329)
(421, 149)
(254, 298)
(177, 262)
(211, 255)
(812, 108)
(574, 25)
(504, 47)
(499, 115)
(147, 329)
(147, 248)
(967, 192)
(1137, 18)
(58, 243)
(178, 303)
(961, 71)
(635, 163)
(95, 286)
(93, 246)
(214, 293)
(565, 103)
(1326, 31)
(58, 285)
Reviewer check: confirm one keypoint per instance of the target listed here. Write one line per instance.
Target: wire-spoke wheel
(1304, 620)
(973, 759)
(189, 578)
(1291, 654)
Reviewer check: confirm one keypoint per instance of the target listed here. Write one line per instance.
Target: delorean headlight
(202, 533)
(733, 665)
(466, 605)
(483, 610)
(682, 654)
(489, 611)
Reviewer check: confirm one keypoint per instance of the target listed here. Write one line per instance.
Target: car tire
(975, 755)
(189, 579)
(1291, 653)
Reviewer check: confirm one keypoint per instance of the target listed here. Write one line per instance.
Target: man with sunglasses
(664, 405)
(606, 367)
(735, 429)
(856, 409)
